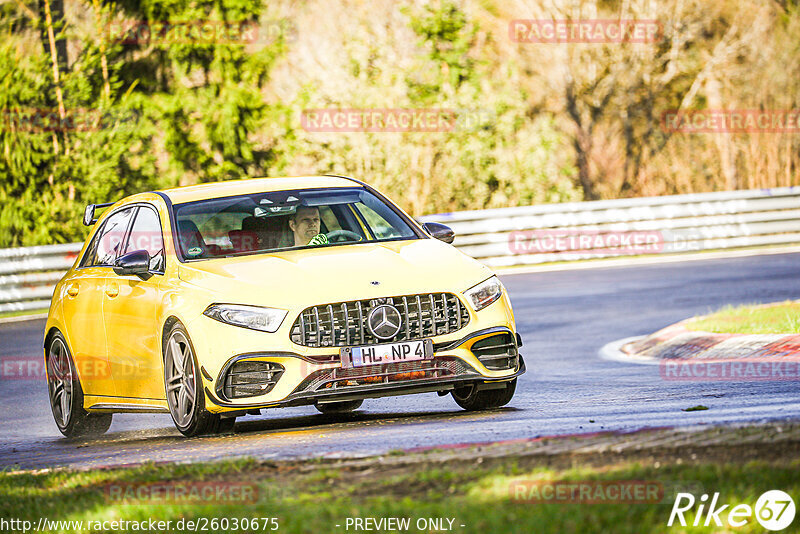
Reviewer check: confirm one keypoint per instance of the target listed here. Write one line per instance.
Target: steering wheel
(335, 235)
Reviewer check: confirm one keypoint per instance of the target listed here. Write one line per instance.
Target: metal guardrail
(29, 274)
(526, 235)
(607, 228)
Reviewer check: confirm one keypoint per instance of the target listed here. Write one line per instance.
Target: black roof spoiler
(88, 214)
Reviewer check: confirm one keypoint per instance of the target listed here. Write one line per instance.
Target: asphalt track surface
(564, 317)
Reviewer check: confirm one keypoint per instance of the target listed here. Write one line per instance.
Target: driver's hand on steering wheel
(338, 236)
(319, 239)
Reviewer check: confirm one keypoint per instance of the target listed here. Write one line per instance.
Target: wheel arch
(48, 336)
(168, 324)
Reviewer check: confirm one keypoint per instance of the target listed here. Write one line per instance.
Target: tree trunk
(727, 150)
(57, 48)
(98, 19)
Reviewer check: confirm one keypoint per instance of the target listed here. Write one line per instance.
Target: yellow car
(213, 301)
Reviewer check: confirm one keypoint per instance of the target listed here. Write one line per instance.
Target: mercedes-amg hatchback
(214, 301)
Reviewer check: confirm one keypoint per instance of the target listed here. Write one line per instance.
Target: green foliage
(449, 36)
(534, 122)
(170, 112)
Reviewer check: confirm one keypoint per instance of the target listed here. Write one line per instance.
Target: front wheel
(471, 398)
(66, 394)
(185, 397)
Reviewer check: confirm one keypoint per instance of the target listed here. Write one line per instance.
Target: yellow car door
(83, 306)
(130, 314)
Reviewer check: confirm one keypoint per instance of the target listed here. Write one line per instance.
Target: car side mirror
(136, 262)
(440, 231)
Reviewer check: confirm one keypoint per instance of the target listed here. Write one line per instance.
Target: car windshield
(279, 220)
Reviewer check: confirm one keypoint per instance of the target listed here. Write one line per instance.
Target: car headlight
(253, 317)
(484, 293)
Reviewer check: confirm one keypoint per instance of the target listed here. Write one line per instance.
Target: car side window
(329, 218)
(146, 235)
(107, 244)
(379, 226)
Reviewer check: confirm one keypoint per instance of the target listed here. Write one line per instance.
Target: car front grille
(344, 324)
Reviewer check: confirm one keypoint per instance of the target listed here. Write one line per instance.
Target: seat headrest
(244, 240)
(190, 235)
(254, 224)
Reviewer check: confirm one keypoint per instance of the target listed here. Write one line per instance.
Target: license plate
(407, 351)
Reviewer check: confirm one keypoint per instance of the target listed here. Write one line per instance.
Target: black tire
(66, 394)
(472, 399)
(226, 425)
(192, 420)
(339, 407)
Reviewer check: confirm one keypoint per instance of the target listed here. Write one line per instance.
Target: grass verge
(488, 493)
(777, 318)
(20, 313)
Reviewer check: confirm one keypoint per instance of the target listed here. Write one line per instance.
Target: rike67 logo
(774, 510)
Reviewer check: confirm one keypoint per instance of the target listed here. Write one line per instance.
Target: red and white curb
(678, 342)
(683, 354)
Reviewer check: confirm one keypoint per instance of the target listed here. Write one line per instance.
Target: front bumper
(448, 369)
(312, 376)
(305, 395)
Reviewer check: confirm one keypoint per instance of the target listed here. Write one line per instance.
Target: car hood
(301, 278)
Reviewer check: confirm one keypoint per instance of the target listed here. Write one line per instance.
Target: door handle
(112, 290)
(72, 290)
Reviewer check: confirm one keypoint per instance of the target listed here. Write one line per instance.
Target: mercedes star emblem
(384, 321)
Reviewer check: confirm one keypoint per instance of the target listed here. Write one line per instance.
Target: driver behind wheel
(305, 227)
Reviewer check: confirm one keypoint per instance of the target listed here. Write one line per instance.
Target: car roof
(179, 195)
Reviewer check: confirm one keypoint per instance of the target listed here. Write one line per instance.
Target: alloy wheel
(181, 379)
(60, 382)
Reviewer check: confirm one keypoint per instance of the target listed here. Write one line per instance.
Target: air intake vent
(497, 353)
(251, 378)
